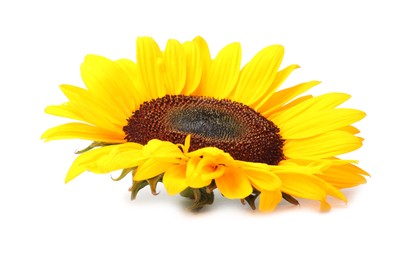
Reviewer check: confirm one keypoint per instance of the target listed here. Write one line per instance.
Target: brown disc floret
(231, 126)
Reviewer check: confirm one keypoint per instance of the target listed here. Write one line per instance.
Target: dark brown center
(231, 126)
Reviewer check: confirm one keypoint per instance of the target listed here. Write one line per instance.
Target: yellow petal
(153, 167)
(219, 155)
(89, 109)
(216, 172)
(186, 146)
(187, 141)
(195, 171)
(234, 184)
(205, 60)
(350, 129)
(83, 131)
(289, 166)
(149, 57)
(208, 168)
(105, 159)
(157, 156)
(329, 101)
(193, 67)
(343, 176)
(325, 206)
(174, 179)
(109, 83)
(64, 110)
(308, 187)
(175, 67)
(162, 149)
(141, 92)
(119, 157)
(312, 105)
(292, 103)
(269, 200)
(320, 164)
(223, 72)
(309, 124)
(326, 145)
(258, 75)
(261, 176)
(281, 97)
(281, 76)
(263, 180)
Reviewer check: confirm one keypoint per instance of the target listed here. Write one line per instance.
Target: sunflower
(198, 124)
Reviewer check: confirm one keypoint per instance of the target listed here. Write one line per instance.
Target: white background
(360, 47)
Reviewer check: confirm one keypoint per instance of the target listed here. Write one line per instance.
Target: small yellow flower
(198, 124)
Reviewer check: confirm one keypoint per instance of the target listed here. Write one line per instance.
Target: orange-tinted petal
(234, 184)
(269, 200)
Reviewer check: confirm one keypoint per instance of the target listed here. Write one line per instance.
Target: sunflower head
(199, 124)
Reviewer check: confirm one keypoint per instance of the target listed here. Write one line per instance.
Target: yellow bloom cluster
(312, 131)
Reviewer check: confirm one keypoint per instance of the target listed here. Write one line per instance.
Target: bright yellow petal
(277, 99)
(208, 168)
(292, 103)
(269, 200)
(281, 76)
(234, 184)
(308, 187)
(263, 180)
(322, 146)
(175, 67)
(109, 83)
(258, 75)
(288, 166)
(325, 206)
(343, 176)
(307, 124)
(64, 110)
(153, 167)
(218, 172)
(80, 164)
(320, 164)
(312, 105)
(193, 67)
(174, 179)
(105, 159)
(219, 155)
(211, 168)
(186, 146)
(162, 149)
(149, 58)
(86, 106)
(327, 101)
(139, 92)
(223, 72)
(205, 165)
(205, 59)
(261, 176)
(83, 131)
(152, 159)
(156, 157)
(187, 141)
(350, 129)
(195, 171)
(119, 157)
